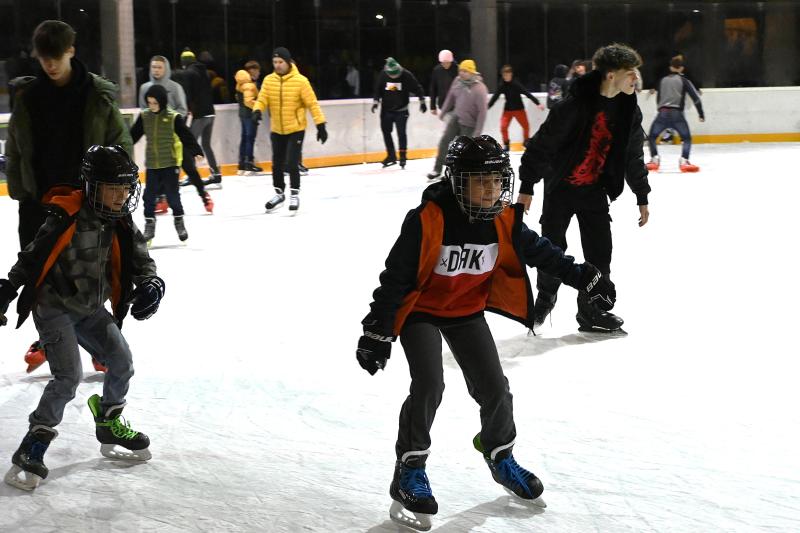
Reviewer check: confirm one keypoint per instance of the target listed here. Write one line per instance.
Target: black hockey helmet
(110, 165)
(479, 162)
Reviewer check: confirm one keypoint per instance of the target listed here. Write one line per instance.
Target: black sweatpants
(286, 151)
(591, 209)
(390, 119)
(203, 128)
(31, 217)
(190, 168)
(474, 349)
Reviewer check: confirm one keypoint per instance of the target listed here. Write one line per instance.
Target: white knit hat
(445, 56)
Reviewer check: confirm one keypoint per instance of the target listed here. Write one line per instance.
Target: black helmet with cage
(479, 162)
(113, 167)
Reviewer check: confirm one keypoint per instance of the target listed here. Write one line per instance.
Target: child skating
(87, 252)
(464, 250)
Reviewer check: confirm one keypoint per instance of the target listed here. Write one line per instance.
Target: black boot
(180, 227)
(29, 458)
(592, 318)
(112, 430)
(403, 158)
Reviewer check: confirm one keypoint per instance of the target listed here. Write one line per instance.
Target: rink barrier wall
(760, 114)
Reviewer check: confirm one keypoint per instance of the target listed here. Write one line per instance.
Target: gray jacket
(79, 282)
(672, 92)
(468, 100)
(176, 96)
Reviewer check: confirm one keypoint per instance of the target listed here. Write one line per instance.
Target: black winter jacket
(441, 80)
(393, 93)
(561, 143)
(197, 85)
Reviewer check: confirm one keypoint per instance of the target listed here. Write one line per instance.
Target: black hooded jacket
(197, 84)
(562, 141)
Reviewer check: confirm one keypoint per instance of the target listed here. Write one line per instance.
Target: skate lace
(415, 481)
(510, 472)
(121, 429)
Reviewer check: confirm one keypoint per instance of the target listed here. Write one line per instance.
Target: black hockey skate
(403, 154)
(294, 200)
(214, 179)
(180, 227)
(276, 200)
(115, 432)
(593, 319)
(542, 307)
(413, 502)
(389, 160)
(515, 480)
(302, 168)
(149, 229)
(434, 175)
(29, 458)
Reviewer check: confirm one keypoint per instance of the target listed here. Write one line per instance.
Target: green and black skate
(117, 439)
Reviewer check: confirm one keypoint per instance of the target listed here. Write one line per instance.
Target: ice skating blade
(536, 502)
(30, 482)
(602, 333)
(401, 515)
(118, 452)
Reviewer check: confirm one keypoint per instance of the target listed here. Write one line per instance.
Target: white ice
(262, 420)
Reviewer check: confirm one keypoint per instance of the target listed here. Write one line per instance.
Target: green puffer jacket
(102, 124)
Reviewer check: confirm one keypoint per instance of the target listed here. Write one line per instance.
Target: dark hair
(52, 39)
(252, 64)
(676, 62)
(615, 56)
(506, 68)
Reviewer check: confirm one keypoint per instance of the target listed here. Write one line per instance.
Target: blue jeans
(61, 334)
(248, 139)
(670, 118)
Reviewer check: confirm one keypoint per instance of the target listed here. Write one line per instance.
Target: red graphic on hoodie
(587, 172)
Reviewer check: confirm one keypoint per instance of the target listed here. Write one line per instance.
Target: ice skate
(161, 206)
(413, 503)
(403, 154)
(593, 319)
(654, 163)
(252, 168)
(180, 227)
(506, 146)
(686, 166)
(117, 439)
(35, 357)
(276, 201)
(215, 179)
(517, 481)
(208, 203)
(29, 459)
(149, 230)
(185, 181)
(294, 201)
(303, 170)
(98, 366)
(542, 307)
(389, 160)
(241, 170)
(434, 174)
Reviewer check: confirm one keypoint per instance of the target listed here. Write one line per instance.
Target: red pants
(521, 117)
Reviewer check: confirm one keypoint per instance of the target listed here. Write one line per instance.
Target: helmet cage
(461, 181)
(119, 170)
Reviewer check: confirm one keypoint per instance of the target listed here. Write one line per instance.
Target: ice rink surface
(261, 419)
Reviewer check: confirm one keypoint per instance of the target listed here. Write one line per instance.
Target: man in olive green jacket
(57, 116)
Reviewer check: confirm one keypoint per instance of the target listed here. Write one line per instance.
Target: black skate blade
(30, 482)
(392, 163)
(603, 332)
(401, 515)
(120, 453)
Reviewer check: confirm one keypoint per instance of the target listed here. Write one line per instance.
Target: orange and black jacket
(75, 249)
(443, 268)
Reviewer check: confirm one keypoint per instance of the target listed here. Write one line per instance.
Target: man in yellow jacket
(287, 94)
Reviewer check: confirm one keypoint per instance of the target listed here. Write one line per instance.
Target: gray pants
(202, 128)
(60, 334)
(452, 130)
(475, 352)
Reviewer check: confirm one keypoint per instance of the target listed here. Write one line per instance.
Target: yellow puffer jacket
(248, 88)
(287, 97)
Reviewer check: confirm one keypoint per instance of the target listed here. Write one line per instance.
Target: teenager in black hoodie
(587, 147)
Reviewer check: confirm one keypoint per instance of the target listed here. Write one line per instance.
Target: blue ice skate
(515, 480)
(413, 502)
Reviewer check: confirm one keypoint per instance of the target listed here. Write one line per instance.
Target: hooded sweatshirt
(176, 97)
(467, 98)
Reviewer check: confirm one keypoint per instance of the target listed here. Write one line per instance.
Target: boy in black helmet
(462, 251)
(87, 252)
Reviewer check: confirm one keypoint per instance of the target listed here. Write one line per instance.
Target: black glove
(374, 106)
(422, 107)
(373, 351)
(7, 295)
(322, 133)
(256, 118)
(146, 298)
(597, 287)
